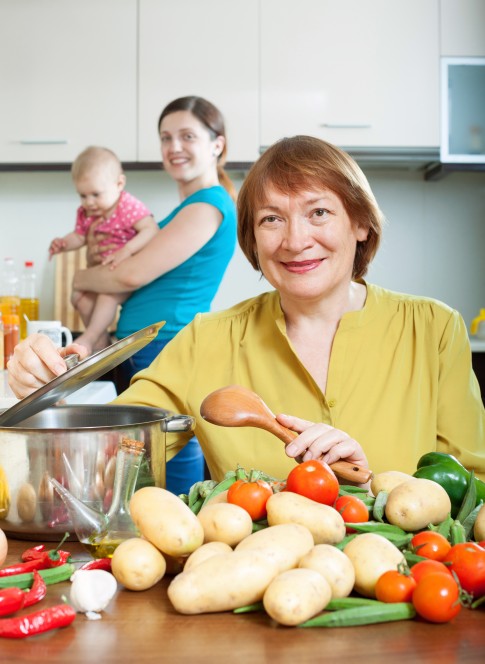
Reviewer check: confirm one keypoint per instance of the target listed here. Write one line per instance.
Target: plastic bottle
(11, 335)
(9, 288)
(29, 302)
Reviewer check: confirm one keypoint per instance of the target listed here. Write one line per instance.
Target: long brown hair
(300, 163)
(210, 116)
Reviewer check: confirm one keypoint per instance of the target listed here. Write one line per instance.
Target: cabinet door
(462, 27)
(209, 49)
(351, 72)
(67, 77)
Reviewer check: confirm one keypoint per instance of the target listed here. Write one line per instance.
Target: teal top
(178, 295)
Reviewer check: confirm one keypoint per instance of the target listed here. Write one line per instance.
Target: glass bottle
(29, 302)
(9, 288)
(101, 533)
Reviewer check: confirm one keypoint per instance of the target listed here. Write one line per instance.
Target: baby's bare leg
(103, 313)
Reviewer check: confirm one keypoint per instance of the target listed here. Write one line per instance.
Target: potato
(3, 547)
(388, 480)
(165, 521)
(479, 527)
(285, 544)
(205, 552)
(225, 522)
(414, 504)
(296, 595)
(333, 565)
(324, 522)
(137, 564)
(371, 555)
(223, 582)
(26, 502)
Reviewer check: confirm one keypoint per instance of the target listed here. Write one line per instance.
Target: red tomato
(314, 479)
(392, 586)
(352, 509)
(251, 496)
(430, 544)
(425, 567)
(468, 563)
(436, 598)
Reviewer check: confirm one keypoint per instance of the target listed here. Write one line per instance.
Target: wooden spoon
(236, 406)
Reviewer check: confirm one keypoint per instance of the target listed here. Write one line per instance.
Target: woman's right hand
(95, 245)
(36, 361)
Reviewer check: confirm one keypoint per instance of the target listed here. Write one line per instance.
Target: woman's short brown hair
(300, 163)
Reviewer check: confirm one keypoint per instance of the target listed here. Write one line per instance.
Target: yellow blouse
(400, 382)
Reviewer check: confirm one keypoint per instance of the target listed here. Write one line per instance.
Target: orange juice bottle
(29, 302)
(9, 296)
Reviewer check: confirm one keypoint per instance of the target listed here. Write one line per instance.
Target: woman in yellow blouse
(362, 373)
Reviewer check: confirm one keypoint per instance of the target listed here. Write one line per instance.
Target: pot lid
(81, 374)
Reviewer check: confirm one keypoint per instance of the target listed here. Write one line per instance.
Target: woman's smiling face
(306, 243)
(188, 149)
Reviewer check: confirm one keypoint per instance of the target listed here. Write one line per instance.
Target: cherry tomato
(392, 586)
(436, 598)
(425, 567)
(430, 544)
(352, 509)
(314, 479)
(468, 563)
(251, 496)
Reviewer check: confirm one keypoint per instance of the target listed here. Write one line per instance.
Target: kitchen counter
(143, 627)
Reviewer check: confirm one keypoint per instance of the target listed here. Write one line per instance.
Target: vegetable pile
(312, 553)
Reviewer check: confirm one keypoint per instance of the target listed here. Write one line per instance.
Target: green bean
(249, 608)
(197, 506)
(259, 525)
(348, 538)
(413, 558)
(457, 533)
(380, 506)
(339, 603)
(50, 576)
(363, 615)
(184, 498)
(378, 528)
(194, 494)
(470, 499)
(350, 488)
(443, 528)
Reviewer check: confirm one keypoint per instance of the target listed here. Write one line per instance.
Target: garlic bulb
(92, 590)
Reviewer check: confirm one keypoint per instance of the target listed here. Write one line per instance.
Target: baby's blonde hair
(95, 157)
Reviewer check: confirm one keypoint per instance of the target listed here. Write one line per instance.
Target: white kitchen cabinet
(351, 72)
(462, 27)
(209, 49)
(67, 78)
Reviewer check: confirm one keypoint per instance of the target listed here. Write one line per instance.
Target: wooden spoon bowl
(236, 406)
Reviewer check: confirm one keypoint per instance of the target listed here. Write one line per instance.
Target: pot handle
(176, 423)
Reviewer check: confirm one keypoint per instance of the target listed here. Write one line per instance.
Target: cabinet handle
(330, 125)
(44, 141)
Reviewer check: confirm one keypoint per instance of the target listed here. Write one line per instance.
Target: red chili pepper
(19, 627)
(33, 553)
(22, 568)
(98, 563)
(11, 600)
(37, 591)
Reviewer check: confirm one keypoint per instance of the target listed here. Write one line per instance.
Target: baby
(125, 222)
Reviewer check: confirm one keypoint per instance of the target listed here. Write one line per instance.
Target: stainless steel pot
(77, 445)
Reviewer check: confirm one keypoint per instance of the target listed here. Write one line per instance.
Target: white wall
(434, 241)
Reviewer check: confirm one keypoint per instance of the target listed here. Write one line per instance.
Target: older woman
(364, 374)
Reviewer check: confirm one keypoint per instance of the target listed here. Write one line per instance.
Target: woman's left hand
(322, 441)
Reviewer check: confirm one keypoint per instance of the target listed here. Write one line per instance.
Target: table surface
(143, 627)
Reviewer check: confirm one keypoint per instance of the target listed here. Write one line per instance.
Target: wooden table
(143, 627)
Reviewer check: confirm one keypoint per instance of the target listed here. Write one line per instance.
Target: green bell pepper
(447, 471)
